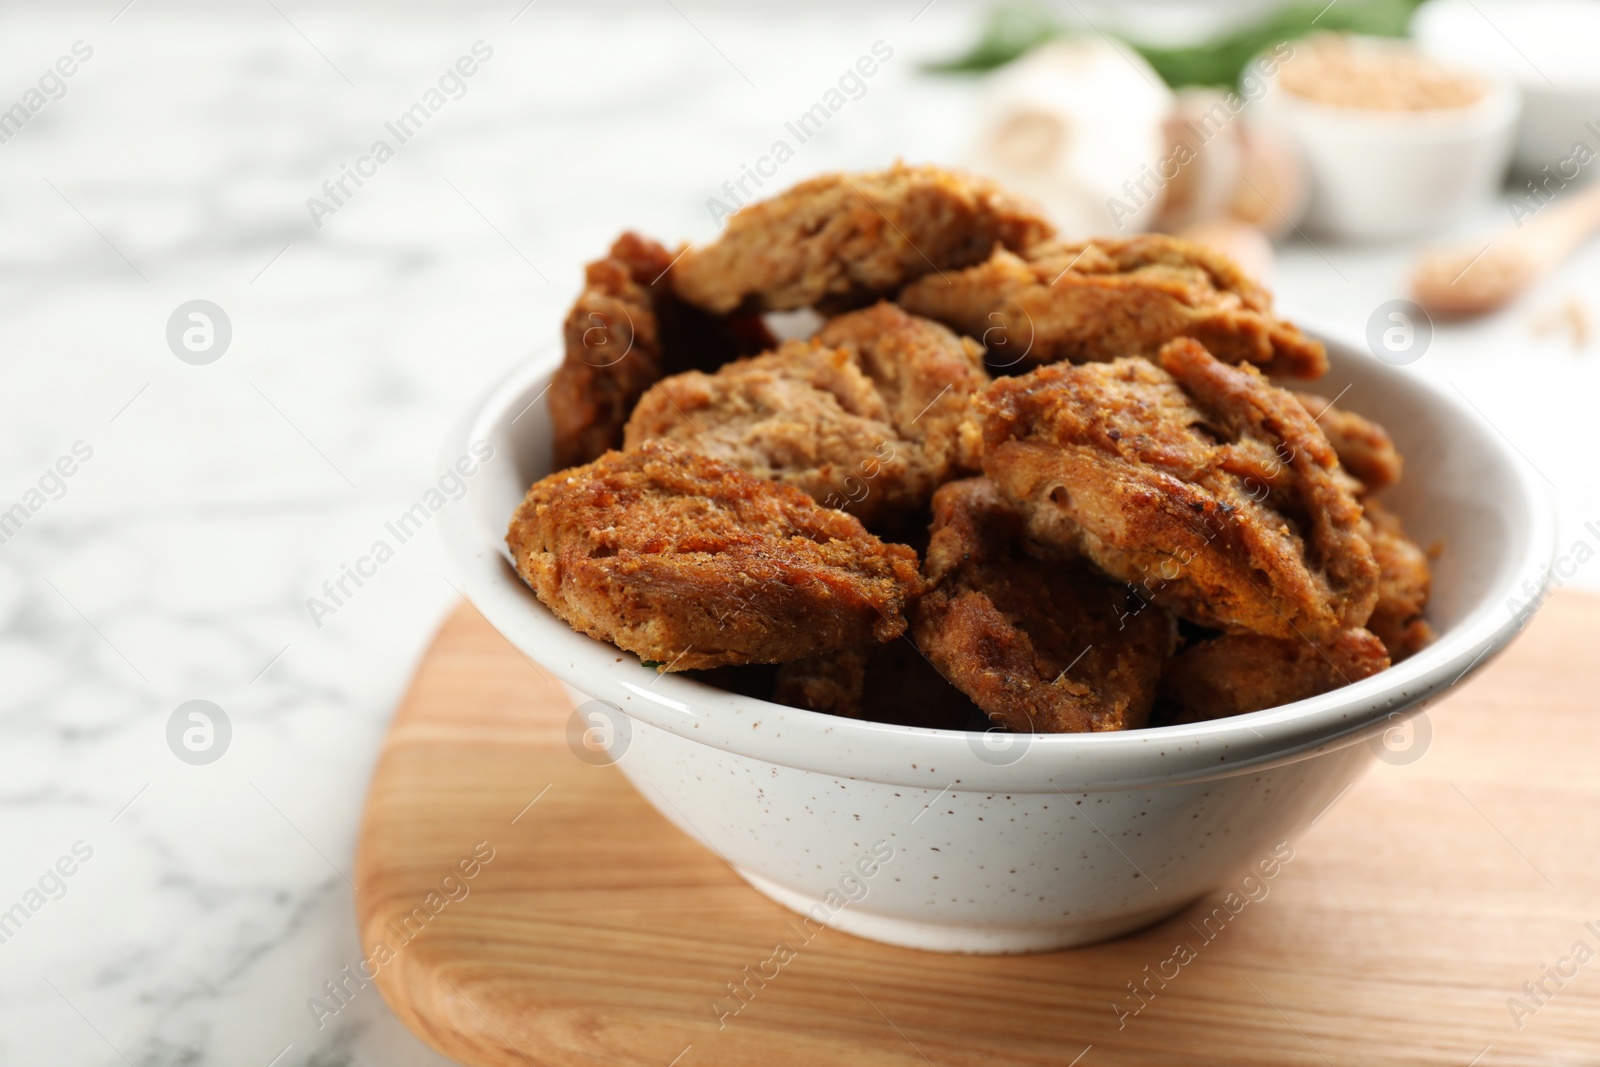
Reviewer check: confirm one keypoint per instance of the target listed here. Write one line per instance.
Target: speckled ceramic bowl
(1384, 175)
(970, 842)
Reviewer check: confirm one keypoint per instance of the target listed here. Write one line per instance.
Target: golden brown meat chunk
(850, 237)
(1202, 484)
(870, 418)
(691, 563)
(613, 354)
(1109, 298)
(626, 330)
(1364, 448)
(805, 416)
(1367, 454)
(1404, 583)
(835, 683)
(1236, 673)
(927, 377)
(1041, 646)
(891, 682)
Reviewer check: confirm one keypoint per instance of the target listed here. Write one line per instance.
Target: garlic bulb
(1223, 165)
(1079, 125)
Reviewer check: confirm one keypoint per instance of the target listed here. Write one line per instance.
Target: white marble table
(176, 561)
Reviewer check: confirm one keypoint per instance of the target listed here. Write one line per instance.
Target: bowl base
(971, 940)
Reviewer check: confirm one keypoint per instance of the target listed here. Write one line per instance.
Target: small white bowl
(1019, 843)
(1383, 175)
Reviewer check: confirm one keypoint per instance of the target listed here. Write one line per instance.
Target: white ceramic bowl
(1054, 839)
(1381, 175)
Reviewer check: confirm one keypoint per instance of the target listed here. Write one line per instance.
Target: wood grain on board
(596, 933)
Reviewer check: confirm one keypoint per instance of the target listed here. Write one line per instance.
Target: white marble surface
(218, 498)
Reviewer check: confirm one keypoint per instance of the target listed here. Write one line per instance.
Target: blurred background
(233, 331)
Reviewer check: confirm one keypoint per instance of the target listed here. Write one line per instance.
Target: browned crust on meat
(1040, 646)
(870, 417)
(1242, 402)
(625, 331)
(927, 376)
(1364, 448)
(1107, 298)
(1404, 584)
(851, 237)
(891, 682)
(613, 354)
(1238, 673)
(804, 416)
(690, 562)
(834, 683)
(1202, 484)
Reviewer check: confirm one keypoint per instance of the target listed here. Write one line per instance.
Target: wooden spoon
(1479, 277)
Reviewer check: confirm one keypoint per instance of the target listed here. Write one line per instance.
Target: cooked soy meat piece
(844, 239)
(1203, 485)
(689, 562)
(1041, 645)
(1108, 298)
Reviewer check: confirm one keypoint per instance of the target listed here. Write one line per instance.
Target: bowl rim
(924, 757)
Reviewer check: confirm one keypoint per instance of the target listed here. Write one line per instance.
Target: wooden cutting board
(596, 933)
